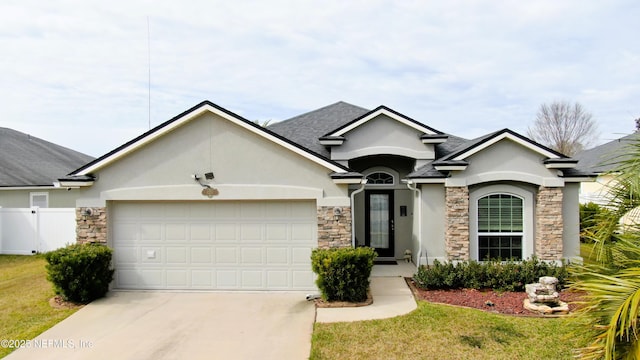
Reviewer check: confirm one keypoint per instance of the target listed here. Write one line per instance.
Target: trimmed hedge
(497, 275)
(343, 274)
(80, 272)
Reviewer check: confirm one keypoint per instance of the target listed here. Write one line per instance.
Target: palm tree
(612, 305)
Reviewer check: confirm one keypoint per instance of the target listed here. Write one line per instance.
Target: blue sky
(76, 73)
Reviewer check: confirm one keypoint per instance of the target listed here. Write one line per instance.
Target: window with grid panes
(500, 229)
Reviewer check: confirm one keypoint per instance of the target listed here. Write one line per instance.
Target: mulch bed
(339, 304)
(57, 302)
(510, 303)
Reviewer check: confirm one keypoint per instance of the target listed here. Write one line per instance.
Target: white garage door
(241, 245)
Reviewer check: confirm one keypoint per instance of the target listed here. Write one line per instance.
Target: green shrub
(80, 272)
(495, 274)
(343, 274)
(590, 215)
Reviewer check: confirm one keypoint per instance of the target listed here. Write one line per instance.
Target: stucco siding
(571, 215)
(506, 161)
(433, 222)
(209, 143)
(58, 198)
(383, 135)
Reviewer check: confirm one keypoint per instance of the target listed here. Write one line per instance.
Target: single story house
(210, 200)
(601, 160)
(30, 168)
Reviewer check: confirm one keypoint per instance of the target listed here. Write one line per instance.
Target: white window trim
(33, 194)
(528, 246)
(393, 177)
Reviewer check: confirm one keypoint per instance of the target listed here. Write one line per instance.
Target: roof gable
(191, 114)
(381, 110)
(468, 149)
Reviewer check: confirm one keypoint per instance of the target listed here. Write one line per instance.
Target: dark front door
(379, 221)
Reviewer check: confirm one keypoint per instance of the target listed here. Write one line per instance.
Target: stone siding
(334, 227)
(91, 228)
(457, 223)
(549, 223)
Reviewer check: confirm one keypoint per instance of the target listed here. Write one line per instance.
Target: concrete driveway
(173, 325)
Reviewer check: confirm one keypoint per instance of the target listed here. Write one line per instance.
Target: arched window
(379, 178)
(500, 227)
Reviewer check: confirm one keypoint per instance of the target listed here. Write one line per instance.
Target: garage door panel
(227, 279)
(176, 255)
(152, 278)
(252, 279)
(278, 279)
(151, 211)
(175, 232)
(127, 279)
(277, 255)
(201, 256)
(226, 233)
(302, 279)
(151, 232)
(249, 210)
(243, 245)
(125, 255)
(150, 255)
(227, 211)
(277, 232)
(302, 233)
(202, 279)
(177, 279)
(251, 256)
(200, 232)
(251, 232)
(126, 232)
(227, 255)
(300, 255)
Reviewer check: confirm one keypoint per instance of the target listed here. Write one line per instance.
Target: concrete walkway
(391, 297)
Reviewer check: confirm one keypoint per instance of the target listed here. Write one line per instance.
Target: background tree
(565, 127)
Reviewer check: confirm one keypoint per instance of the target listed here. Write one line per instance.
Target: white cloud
(72, 69)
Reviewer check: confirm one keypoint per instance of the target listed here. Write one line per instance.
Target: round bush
(80, 272)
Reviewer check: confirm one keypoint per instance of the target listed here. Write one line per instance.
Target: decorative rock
(543, 297)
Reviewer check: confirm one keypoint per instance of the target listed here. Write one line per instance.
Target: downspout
(419, 193)
(353, 211)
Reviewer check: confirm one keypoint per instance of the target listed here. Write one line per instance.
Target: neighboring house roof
(84, 173)
(603, 158)
(29, 161)
(306, 129)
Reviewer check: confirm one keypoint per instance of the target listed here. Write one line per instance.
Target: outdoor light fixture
(207, 176)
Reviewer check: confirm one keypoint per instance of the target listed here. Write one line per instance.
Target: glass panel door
(379, 221)
(379, 215)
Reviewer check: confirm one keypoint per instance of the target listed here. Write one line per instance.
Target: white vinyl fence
(36, 230)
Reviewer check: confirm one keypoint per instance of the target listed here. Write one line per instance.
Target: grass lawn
(436, 331)
(24, 299)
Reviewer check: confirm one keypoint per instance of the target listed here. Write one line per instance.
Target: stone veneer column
(457, 223)
(91, 228)
(549, 223)
(334, 230)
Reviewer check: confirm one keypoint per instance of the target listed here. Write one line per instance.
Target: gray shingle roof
(307, 128)
(602, 158)
(29, 161)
